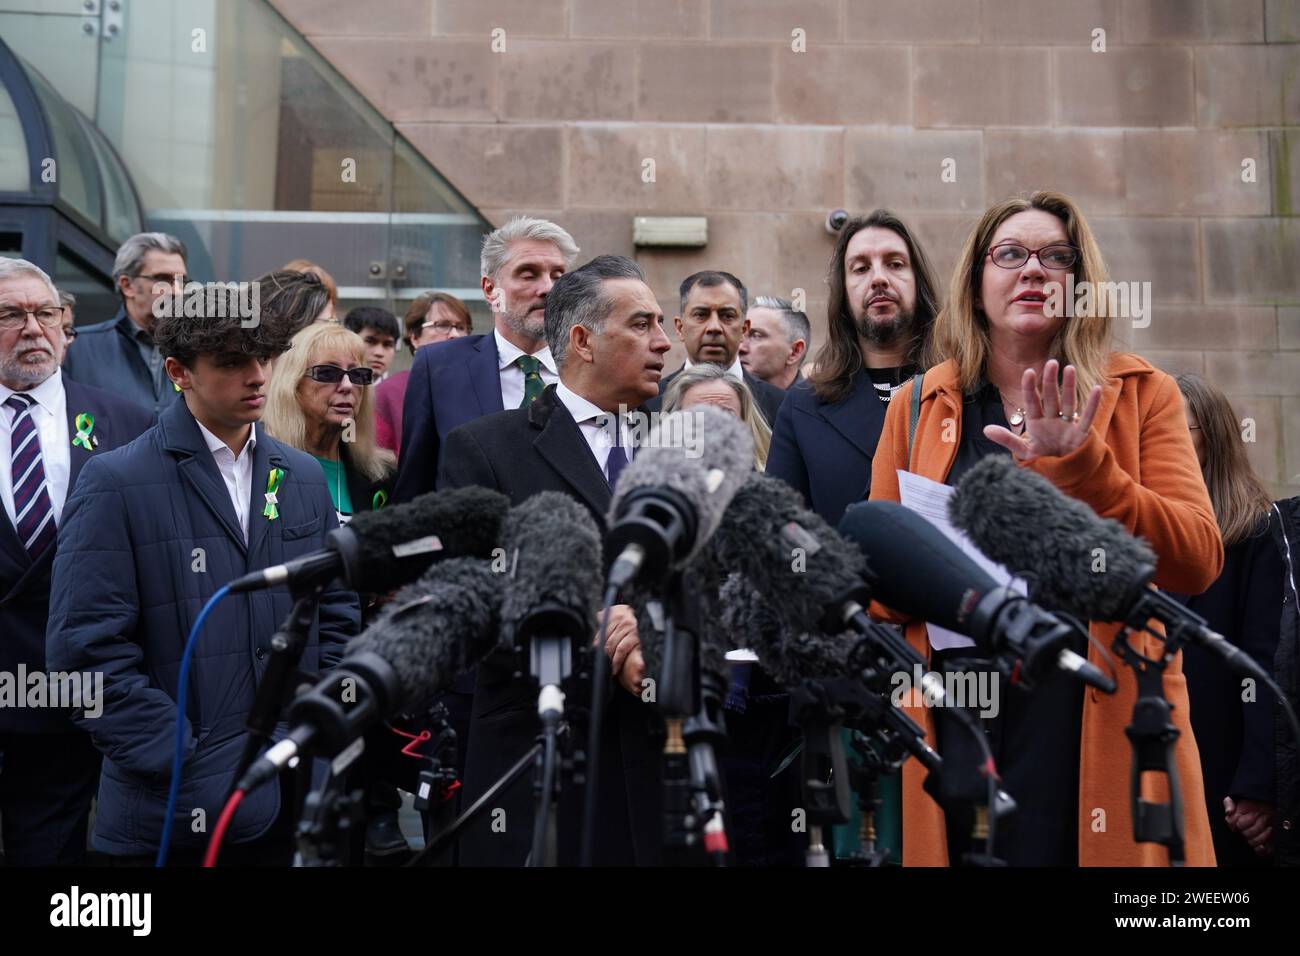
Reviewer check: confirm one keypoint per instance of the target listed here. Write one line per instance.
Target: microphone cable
(599, 687)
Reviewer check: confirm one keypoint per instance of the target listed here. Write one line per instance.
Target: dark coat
(105, 355)
(451, 383)
(1286, 671)
(767, 397)
(25, 584)
(148, 537)
(521, 453)
(825, 450)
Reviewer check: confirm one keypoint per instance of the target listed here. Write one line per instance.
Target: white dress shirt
(737, 371)
(236, 471)
(512, 376)
(592, 422)
(49, 411)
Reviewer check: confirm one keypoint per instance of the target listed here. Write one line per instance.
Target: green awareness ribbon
(379, 500)
(272, 486)
(85, 425)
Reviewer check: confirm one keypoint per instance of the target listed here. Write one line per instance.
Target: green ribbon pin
(272, 486)
(85, 425)
(379, 500)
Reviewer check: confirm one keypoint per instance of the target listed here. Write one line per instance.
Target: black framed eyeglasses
(332, 374)
(1012, 255)
(166, 279)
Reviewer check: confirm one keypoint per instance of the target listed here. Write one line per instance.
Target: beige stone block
(567, 79)
(1192, 21)
(639, 18)
(1087, 165)
(919, 21)
(1174, 361)
(773, 168)
(1291, 440)
(844, 85)
(1160, 251)
(803, 253)
(1247, 85)
(1288, 327)
(914, 171)
(941, 238)
(774, 20)
(1285, 168)
(599, 232)
(713, 83)
(1282, 21)
(313, 18)
(524, 18)
(1133, 86)
(607, 167)
(980, 86)
(418, 80)
(1066, 24)
(1208, 327)
(1254, 373)
(1252, 260)
(1260, 418)
(1197, 172)
(744, 244)
(496, 165)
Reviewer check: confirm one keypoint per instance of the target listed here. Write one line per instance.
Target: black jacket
(106, 355)
(1286, 671)
(520, 453)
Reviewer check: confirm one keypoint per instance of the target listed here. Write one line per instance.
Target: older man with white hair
(120, 355)
(49, 428)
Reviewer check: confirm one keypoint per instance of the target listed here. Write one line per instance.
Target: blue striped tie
(34, 517)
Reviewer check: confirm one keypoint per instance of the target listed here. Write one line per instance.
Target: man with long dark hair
(883, 300)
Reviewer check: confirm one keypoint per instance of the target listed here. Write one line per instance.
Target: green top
(337, 479)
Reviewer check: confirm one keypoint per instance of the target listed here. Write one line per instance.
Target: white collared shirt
(592, 421)
(512, 376)
(49, 411)
(736, 371)
(236, 471)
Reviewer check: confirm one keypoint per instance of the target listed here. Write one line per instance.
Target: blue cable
(178, 758)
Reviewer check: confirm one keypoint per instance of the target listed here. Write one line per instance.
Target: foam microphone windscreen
(552, 553)
(788, 652)
(701, 452)
(1075, 561)
(396, 545)
(436, 628)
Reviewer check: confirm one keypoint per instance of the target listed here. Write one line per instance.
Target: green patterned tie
(533, 384)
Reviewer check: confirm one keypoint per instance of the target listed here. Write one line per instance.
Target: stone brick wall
(1149, 135)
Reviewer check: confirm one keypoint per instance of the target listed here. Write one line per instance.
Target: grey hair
(130, 255)
(66, 298)
(704, 372)
(578, 298)
(796, 323)
(496, 244)
(17, 268)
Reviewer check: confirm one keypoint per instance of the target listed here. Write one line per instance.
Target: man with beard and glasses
(477, 375)
(882, 303)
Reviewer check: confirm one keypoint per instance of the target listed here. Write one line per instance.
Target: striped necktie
(34, 517)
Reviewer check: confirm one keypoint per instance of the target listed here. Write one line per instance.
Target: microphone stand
(282, 676)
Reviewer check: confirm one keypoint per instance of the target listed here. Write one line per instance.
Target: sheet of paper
(930, 500)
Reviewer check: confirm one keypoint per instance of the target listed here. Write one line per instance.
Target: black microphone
(379, 550)
(673, 493)
(1082, 563)
(552, 589)
(921, 573)
(432, 631)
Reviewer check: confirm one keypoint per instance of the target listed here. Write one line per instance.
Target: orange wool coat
(1137, 466)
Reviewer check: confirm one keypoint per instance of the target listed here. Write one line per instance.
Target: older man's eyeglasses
(48, 316)
(332, 374)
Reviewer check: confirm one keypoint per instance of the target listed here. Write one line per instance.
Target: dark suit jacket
(520, 453)
(25, 584)
(106, 356)
(768, 397)
(825, 450)
(451, 383)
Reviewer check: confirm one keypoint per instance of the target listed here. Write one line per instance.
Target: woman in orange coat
(1109, 430)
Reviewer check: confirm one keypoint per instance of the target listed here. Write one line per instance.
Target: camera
(835, 220)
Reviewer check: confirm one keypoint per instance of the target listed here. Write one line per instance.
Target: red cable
(223, 822)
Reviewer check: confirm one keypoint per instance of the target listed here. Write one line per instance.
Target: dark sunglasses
(332, 374)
